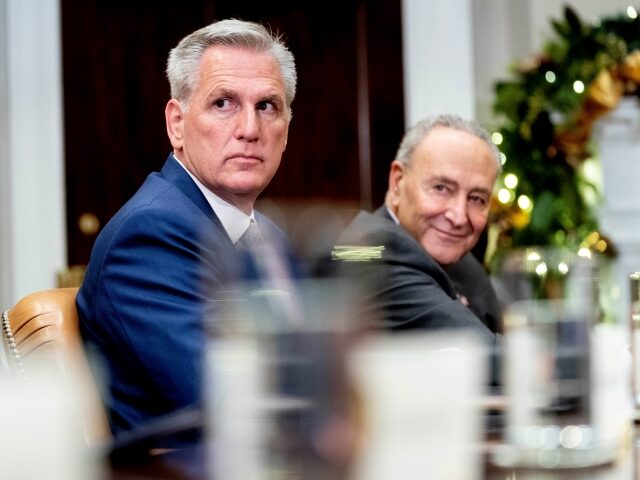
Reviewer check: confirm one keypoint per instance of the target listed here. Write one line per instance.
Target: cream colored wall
(438, 58)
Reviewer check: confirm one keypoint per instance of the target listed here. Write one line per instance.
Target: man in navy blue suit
(156, 263)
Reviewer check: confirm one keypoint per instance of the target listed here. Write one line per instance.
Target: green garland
(545, 129)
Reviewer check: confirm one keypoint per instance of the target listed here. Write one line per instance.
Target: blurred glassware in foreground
(42, 432)
(564, 373)
(280, 405)
(420, 417)
(320, 395)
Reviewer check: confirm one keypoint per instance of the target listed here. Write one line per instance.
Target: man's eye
(266, 107)
(479, 200)
(222, 103)
(440, 188)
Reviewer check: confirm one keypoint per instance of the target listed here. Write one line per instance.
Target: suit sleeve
(151, 291)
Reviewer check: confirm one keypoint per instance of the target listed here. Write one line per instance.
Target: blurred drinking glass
(279, 404)
(564, 369)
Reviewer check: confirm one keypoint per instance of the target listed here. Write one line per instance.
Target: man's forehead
(429, 170)
(445, 143)
(237, 56)
(231, 69)
(442, 135)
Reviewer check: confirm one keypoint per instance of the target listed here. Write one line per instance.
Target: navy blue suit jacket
(150, 282)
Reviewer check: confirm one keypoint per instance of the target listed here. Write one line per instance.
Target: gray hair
(184, 60)
(414, 136)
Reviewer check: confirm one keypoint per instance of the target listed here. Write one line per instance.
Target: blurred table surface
(192, 465)
(623, 468)
(172, 466)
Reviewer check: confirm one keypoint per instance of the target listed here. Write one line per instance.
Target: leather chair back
(44, 326)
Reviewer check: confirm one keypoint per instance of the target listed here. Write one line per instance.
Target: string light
(541, 269)
(632, 12)
(510, 181)
(549, 76)
(524, 203)
(533, 256)
(578, 86)
(496, 137)
(504, 195)
(563, 268)
(584, 252)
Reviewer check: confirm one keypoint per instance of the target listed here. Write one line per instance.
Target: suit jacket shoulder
(143, 299)
(403, 282)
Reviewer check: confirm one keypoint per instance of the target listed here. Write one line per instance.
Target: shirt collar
(234, 220)
(392, 215)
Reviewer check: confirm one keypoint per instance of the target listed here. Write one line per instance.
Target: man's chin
(248, 186)
(249, 182)
(446, 259)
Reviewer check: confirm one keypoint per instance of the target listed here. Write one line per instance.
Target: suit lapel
(175, 174)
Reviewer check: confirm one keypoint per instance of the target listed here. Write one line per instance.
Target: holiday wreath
(546, 114)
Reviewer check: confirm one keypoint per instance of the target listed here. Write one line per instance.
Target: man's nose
(456, 211)
(248, 126)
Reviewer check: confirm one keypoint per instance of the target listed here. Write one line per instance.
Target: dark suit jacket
(153, 273)
(406, 285)
(471, 280)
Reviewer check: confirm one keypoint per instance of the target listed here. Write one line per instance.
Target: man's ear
(174, 118)
(396, 175)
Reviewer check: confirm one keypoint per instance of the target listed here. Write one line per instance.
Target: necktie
(251, 237)
(272, 271)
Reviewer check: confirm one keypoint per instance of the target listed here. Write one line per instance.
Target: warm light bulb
(496, 137)
(550, 76)
(578, 86)
(632, 12)
(503, 158)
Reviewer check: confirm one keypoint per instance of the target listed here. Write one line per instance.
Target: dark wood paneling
(384, 35)
(114, 54)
